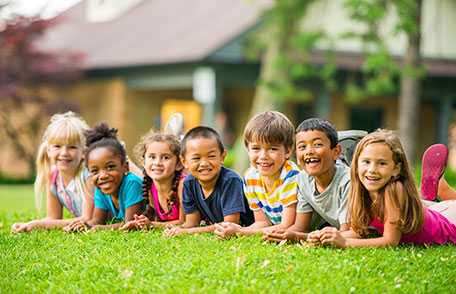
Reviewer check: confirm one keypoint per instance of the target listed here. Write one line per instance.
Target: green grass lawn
(16, 198)
(112, 261)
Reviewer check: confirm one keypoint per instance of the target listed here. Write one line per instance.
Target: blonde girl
(383, 195)
(162, 182)
(61, 174)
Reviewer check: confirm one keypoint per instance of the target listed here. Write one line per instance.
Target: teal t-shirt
(130, 193)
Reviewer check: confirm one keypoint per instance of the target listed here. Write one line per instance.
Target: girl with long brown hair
(383, 196)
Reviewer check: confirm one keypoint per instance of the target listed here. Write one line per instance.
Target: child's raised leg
(433, 166)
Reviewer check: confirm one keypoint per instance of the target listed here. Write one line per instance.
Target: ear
(125, 168)
(288, 152)
(337, 150)
(183, 162)
(179, 165)
(397, 170)
(223, 155)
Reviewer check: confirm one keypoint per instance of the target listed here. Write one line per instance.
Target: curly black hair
(103, 136)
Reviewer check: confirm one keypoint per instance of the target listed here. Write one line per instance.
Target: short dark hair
(201, 132)
(322, 125)
(271, 127)
(103, 136)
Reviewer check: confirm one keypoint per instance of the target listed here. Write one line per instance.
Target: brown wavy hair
(401, 190)
(140, 153)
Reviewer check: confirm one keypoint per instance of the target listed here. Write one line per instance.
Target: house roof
(154, 31)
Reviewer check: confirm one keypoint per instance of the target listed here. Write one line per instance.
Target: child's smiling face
(106, 170)
(159, 162)
(203, 159)
(66, 157)
(314, 153)
(376, 167)
(268, 159)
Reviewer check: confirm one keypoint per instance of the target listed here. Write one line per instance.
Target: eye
(110, 167)
(166, 157)
(301, 147)
(274, 148)
(93, 171)
(211, 156)
(318, 145)
(195, 158)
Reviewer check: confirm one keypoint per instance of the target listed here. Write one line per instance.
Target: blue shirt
(130, 193)
(227, 198)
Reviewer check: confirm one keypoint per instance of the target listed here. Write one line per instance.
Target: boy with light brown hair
(270, 183)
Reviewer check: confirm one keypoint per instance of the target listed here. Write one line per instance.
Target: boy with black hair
(212, 193)
(323, 183)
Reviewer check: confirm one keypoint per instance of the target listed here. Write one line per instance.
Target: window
(368, 119)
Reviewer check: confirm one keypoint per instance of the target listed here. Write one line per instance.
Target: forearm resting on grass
(45, 223)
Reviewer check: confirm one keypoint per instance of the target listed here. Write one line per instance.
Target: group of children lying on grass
(184, 188)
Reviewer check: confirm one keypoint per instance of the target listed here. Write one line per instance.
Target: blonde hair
(400, 190)
(66, 128)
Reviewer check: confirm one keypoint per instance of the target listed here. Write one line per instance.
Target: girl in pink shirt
(383, 196)
(162, 183)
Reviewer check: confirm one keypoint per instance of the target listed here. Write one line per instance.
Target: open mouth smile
(312, 161)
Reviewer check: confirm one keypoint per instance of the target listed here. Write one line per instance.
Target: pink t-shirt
(173, 213)
(436, 230)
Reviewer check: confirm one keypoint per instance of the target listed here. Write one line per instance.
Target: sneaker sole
(433, 166)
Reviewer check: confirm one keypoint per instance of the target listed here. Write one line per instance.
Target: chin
(312, 172)
(206, 178)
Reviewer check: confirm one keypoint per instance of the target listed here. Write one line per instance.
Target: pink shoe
(433, 166)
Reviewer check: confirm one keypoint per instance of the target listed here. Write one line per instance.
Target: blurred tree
(412, 72)
(25, 72)
(380, 69)
(285, 49)
(275, 43)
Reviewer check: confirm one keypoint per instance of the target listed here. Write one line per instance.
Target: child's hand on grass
(142, 221)
(77, 226)
(278, 235)
(226, 230)
(129, 226)
(332, 236)
(172, 231)
(21, 228)
(313, 238)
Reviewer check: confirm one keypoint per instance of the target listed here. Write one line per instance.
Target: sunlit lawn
(111, 261)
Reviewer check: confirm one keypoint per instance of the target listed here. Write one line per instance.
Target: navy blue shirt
(227, 198)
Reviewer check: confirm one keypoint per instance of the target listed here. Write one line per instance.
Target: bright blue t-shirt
(130, 193)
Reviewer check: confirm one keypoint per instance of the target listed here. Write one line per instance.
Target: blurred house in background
(147, 59)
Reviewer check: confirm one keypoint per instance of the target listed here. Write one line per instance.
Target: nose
(263, 153)
(309, 149)
(102, 173)
(371, 168)
(64, 149)
(204, 162)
